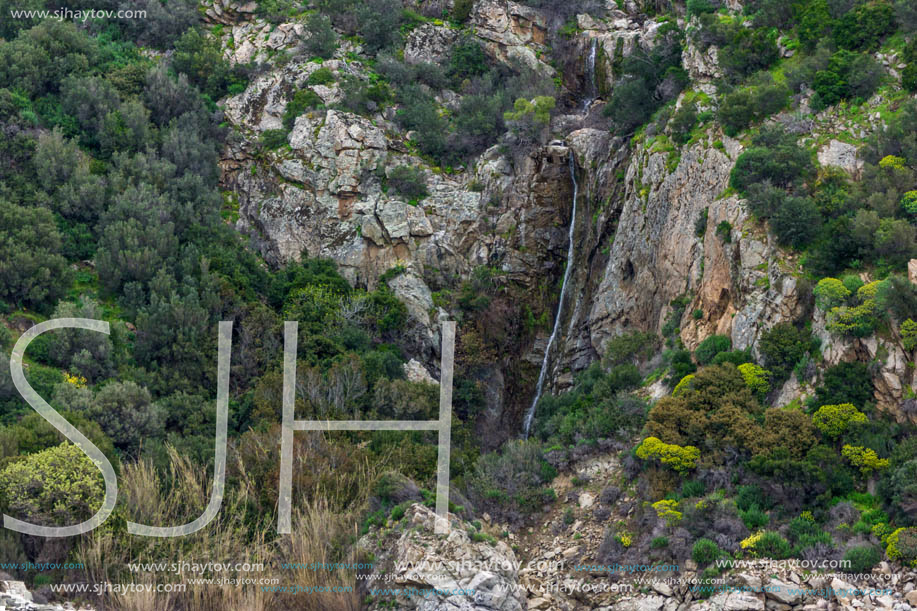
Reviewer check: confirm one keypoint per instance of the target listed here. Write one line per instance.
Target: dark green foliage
(753, 518)
(746, 106)
(736, 357)
(303, 100)
(782, 346)
(409, 181)
(466, 60)
(595, 408)
(862, 558)
(772, 545)
(32, 271)
(36, 62)
(512, 483)
(698, 7)
(461, 10)
(322, 76)
(322, 40)
(705, 551)
(681, 365)
(199, 57)
(796, 222)
(750, 496)
(364, 97)
(847, 75)
(743, 51)
(630, 347)
(379, 22)
(898, 295)
(710, 347)
(683, 122)
(692, 488)
(865, 26)
(774, 157)
(273, 138)
(648, 81)
(749, 50)
(845, 383)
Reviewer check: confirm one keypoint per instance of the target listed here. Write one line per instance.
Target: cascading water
(592, 92)
(539, 387)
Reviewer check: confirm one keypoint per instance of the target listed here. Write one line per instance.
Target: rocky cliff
(639, 245)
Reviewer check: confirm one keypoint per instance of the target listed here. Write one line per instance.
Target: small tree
(322, 41)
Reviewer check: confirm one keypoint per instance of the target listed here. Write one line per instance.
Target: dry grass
(324, 526)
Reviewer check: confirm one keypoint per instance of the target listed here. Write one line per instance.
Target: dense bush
(200, 58)
(32, 271)
(747, 105)
(705, 551)
(595, 408)
(774, 158)
(782, 346)
(845, 383)
(59, 486)
(707, 350)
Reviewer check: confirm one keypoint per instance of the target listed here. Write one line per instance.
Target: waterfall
(592, 92)
(539, 387)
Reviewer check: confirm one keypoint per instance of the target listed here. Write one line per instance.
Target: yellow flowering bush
(681, 459)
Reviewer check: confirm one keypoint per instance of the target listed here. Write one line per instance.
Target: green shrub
(659, 543)
(736, 357)
(705, 551)
(862, 558)
(749, 105)
(754, 518)
(782, 346)
(409, 181)
(698, 7)
(59, 486)
(322, 76)
(710, 347)
(303, 100)
(692, 488)
(322, 40)
(461, 10)
(683, 122)
(467, 60)
(772, 545)
(774, 156)
(749, 496)
(834, 420)
(796, 222)
(845, 383)
(830, 293)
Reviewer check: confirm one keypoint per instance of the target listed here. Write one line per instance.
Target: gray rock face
(429, 43)
(840, 155)
(416, 558)
(735, 275)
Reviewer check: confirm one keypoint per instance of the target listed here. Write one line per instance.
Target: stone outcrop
(15, 596)
(457, 572)
(512, 32)
(227, 12)
(732, 271)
